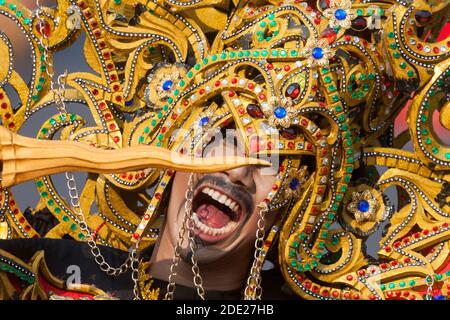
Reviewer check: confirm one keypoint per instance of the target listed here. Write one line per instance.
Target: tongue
(212, 217)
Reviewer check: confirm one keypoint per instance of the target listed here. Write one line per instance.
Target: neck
(221, 275)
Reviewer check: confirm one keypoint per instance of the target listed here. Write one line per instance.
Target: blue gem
(439, 297)
(204, 121)
(167, 85)
(129, 103)
(318, 53)
(294, 184)
(340, 14)
(279, 112)
(363, 206)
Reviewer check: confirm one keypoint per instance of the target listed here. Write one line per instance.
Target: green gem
(321, 245)
(73, 227)
(259, 33)
(307, 267)
(293, 263)
(255, 54)
(117, 2)
(314, 263)
(2, 2)
(334, 207)
(39, 183)
(62, 117)
(391, 34)
(12, 6)
(331, 88)
(381, 12)
(232, 54)
(262, 24)
(260, 39)
(359, 12)
(435, 150)
(294, 53)
(362, 77)
(264, 53)
(447, 155)
(181, 83)
(396, 55)
(391, 285)
(176, 92)
(319, 255)
(439, 277)
(393, 46)
(57, 210)
(324, 235)
(383, 287)
(369, 12)
(274, 53)
(65, 218)
(44, 194)
(160, 137)
(44, 130)
(247, 53)
(26, 20)
(146, 130)
(327, 79)
(347, 179)
(268, 38)
(158, 144)
(335, 98)
(349, 169)
(423, 118)
(189, 74)
(19, 14)
(338, 197)
(412, 282)
(159, 115)
(271, 16)
(43, 68)
(447, 273)
(291, 253)
(273, 23)
(170, 100)
(283, 53)
(295, 244)
(50, 202)
(39, 87)
(240, 54)
(338, 108)
(205, 61)
(299, 268)
(73, 117)
(402, 284)
(302, 236)
(325, 70)
(342, 118)
(426, 105)
(197, 66)
(343, 189)
(213, 57)
(403, 65)
(153, 122)
(223, 55)
(410, 73)
(80, 236)
(141, 139)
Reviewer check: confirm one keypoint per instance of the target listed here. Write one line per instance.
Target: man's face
(224, 209)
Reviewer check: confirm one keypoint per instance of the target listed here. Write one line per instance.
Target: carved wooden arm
(27, 158)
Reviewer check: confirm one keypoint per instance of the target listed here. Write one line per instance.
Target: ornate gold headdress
(319, 83)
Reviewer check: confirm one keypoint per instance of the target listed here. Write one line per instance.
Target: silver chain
(71, 183)
(187, 225)
(253, 290)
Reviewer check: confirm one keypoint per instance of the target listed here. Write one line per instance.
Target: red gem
(269, 66)
(108, 116)
(347, 295)
(16, 211)
(102, 105)
(420, 46)
(113, 77)
(413, 297)
(416, 235)
(314, 210)
(262, 96)
(169, 172)
(406, 240)
(102, 44)
(390, 294)
(97, 33)
(112, 126)
(136, 235)
(318, 135)
(393, 263)
(324, 170)
(372, 297)
(361, 272)
(405, 293)
(87, 14)
(356, 296)
(281, 168)
(307, 284)
(11, 125)
(425, 232)
(325, 293)
(396, 244)
(383, 266)
(95, 92)
(349, 277)
(231, 94)
(82, 4)
(118, 98)
(398, 293)
(329, 34)
(94, 24)
(21, 219)
(274, 187)
(158, 196)
(435, 228)
(116, 139)
(317, 20)
(308, 229)
(290, 145)
(234, 81)
(163, 129)
(27, 228)
(267, 243)
(43, 28)
(407, 260)
(436, 50)
(269, 145)
(251, 85)
(7, 115)
(109, 66)
(287, 68)
(1, 96)
(136, 176)
(106, 55)
(201, 91)
(304, 122)
(347, 37)
(321, 190)
(12, 203)
(315, 289)
(409, 32)
(241, 110)
(335, 294)
(174, 116)
(217, 83)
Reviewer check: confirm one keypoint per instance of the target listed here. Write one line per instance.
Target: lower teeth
(212, 231)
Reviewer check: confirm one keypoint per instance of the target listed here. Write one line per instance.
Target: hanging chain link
(58, 95)
(187, 225)
(429, 280)
(253, 290)
(197, 279)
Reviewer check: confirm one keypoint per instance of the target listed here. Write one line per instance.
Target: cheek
(264, 185)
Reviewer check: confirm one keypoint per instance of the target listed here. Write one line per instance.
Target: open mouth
(215, 214)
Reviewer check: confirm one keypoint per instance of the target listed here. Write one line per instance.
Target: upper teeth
(222, 198)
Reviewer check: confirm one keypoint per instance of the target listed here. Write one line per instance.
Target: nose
(243, 176)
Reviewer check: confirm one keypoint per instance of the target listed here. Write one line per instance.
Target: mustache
(238, 192)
